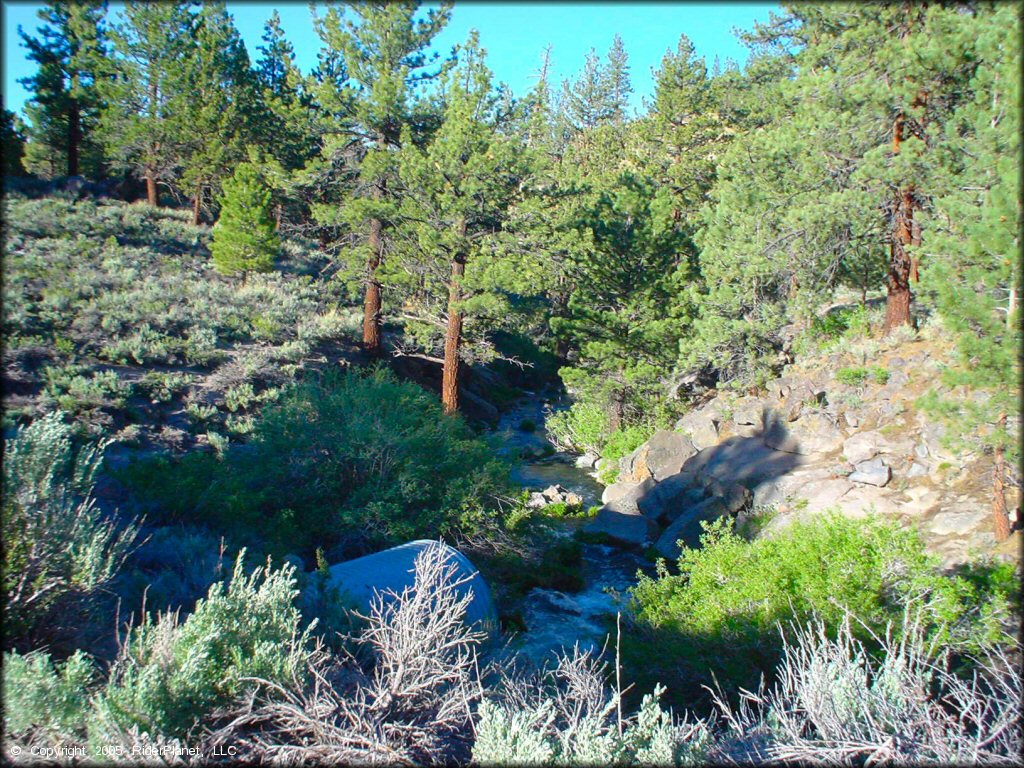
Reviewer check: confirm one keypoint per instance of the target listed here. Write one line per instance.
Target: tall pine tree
(64, 106)
(383, 46)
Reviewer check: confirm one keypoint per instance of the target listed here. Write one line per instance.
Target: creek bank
(810, 441)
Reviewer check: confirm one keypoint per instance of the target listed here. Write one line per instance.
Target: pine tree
(219, 113)
(457, 192)
(148, 97)
(70, 52)
(619, 84)
(972, 272)
(244, 239)
(383, 48)
(13, 130)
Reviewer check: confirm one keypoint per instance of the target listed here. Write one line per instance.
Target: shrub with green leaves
(731, 593)
(172, 674)
(57, 544)
(357, 458)
(39, 693)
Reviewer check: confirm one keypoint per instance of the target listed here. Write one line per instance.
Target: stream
(557, 619)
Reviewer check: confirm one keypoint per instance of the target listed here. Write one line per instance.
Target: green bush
(41, 694)
(731, 593)
(171, 675)
(582, 427)
(622, 442)
(356, 458)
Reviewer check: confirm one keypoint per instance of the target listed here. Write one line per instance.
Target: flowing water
(557, 619)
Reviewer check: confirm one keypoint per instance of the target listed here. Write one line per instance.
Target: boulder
(813, 433)
(743, 460)
(554, 493)
(687, 528)
(700, 427)
(617, 491)
(362, 580)
(667, 453)
(668, 499)
(633, 468)
(959, 520)
(537, 500)
(874, 472)
(623, 524)
(587, 461)
(747, 411)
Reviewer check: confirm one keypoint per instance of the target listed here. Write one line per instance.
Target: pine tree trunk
(151, 197)
(999, 516)
(453, 339)
(898, 296)
(371, 302)
(74, 136)
(196, 203)
(618, 411)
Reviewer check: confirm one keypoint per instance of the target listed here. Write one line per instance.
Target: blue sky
(514, 34)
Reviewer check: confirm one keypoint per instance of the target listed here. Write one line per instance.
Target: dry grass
(414, 705)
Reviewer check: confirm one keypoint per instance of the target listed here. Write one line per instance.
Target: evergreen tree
(219, 113)
(244, 239)
(456, 194)
(619, 84)
(383, 48)
(147, 99)
(63, 110)
(13, 144)
(972, 268)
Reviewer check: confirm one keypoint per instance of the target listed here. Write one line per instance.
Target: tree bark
(453, 338)
(898, 296)
(371, 301)
(74, 136)
(999, 516)
(151, 197)
(196, 203)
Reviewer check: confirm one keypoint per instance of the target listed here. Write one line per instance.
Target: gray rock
(864, 446)
(917, 470)
(667, 453)
(700, 427)
(623, 526)
(618, 491)
(362, 579)
(633, 468)
(747, 411)
(957, 522)
(668, 499)
(874, 472)
(587, 460)
(573, 499)
(537, 500)
(747, 461)
(687, 528)
(554, 493)
(812, 434)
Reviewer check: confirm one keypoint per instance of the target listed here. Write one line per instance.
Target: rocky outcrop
(809, 443)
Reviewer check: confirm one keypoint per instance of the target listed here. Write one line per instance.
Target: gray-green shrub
(171, 674)
(41, 694)
(56, 542)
